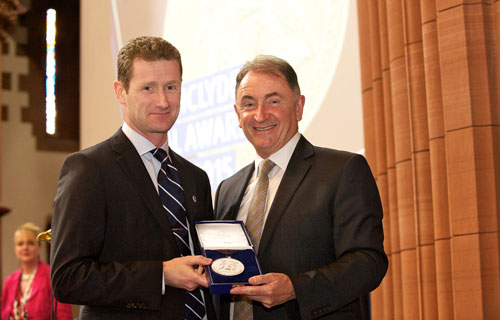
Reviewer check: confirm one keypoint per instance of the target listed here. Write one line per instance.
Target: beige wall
(99, 110)
(29, 177)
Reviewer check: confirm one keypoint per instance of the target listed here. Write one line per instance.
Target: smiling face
(152, 102)
(26, 247)
(268, 111)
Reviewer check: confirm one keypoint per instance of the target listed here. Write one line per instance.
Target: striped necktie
(172, 197)
(255, 221)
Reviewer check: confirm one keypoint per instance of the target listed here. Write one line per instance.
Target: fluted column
(431, 87)
(469, 71)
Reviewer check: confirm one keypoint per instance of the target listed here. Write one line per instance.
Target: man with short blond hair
(123, 243)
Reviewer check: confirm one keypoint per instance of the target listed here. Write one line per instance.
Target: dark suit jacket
(324, 230)
(110, 233)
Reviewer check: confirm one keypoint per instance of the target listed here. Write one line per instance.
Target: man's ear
(299, 107)
(238, 114)
(120, 91)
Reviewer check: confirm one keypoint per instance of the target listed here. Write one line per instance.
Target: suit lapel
(296, 171)
(234, 195)
(130, 161)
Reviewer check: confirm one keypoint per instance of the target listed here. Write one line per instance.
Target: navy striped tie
(172, 197)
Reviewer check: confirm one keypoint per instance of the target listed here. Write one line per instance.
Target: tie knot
(266, 166)
(159, 154)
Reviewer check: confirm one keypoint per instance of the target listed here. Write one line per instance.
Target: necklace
(20, 302)
(26, 277)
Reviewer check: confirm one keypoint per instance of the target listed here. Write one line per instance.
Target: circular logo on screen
(216, 38)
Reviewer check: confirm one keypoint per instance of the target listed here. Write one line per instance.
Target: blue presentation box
(223, 241)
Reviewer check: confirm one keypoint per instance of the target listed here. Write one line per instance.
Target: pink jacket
(38, 304)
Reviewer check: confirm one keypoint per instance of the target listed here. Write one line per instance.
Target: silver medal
(228, 266)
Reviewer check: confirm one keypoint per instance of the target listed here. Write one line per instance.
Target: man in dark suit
(113, 248)
(321, 241)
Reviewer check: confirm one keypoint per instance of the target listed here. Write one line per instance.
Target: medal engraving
(228, 266)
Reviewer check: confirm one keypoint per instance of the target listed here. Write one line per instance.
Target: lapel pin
(194, 198)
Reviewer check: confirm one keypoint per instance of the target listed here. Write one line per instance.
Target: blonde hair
(28, 227)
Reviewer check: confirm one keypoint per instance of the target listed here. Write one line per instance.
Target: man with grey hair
(313, 214)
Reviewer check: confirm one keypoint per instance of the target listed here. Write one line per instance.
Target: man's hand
(270, 289)
(182, 272)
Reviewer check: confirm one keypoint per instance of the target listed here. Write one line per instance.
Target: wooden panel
(466, 266)
(495, 40)
(444, 277)
(423, 195)
(490, 274)
(433, 81)
(476, 19)
(428, 282)
(454, 69)
(397, 275)
(473, 193)
(369, 129)
(406, 213)
(462, 182)
(388, 120)
(378, 95)
(488, 197)
(395, 29)
(413, 31)
(374, 41)
(417, 93)
(393, 211)
(388, 292)
(364, 45)
(428, 11)
(400, 112)
(492, 31)
(383, 32)
(450, 4)
(386, 84)
(379, 127)
(382, 184)
(439, 182)
(410, 285)
(464, 67)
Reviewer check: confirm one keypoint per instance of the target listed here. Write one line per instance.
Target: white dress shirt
(153, 166)
(281, 158)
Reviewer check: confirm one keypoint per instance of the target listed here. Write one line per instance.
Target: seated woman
(27, 293)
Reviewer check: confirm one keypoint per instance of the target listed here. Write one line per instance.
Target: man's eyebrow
(173, 82)
(272, 94)
(151, 83)
(249, 97)
(269, 95)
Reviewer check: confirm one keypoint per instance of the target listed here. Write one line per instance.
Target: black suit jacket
(324, 230)
(110, 233)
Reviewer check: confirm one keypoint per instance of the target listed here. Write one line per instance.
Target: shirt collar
(281, 157)
(141, 144)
